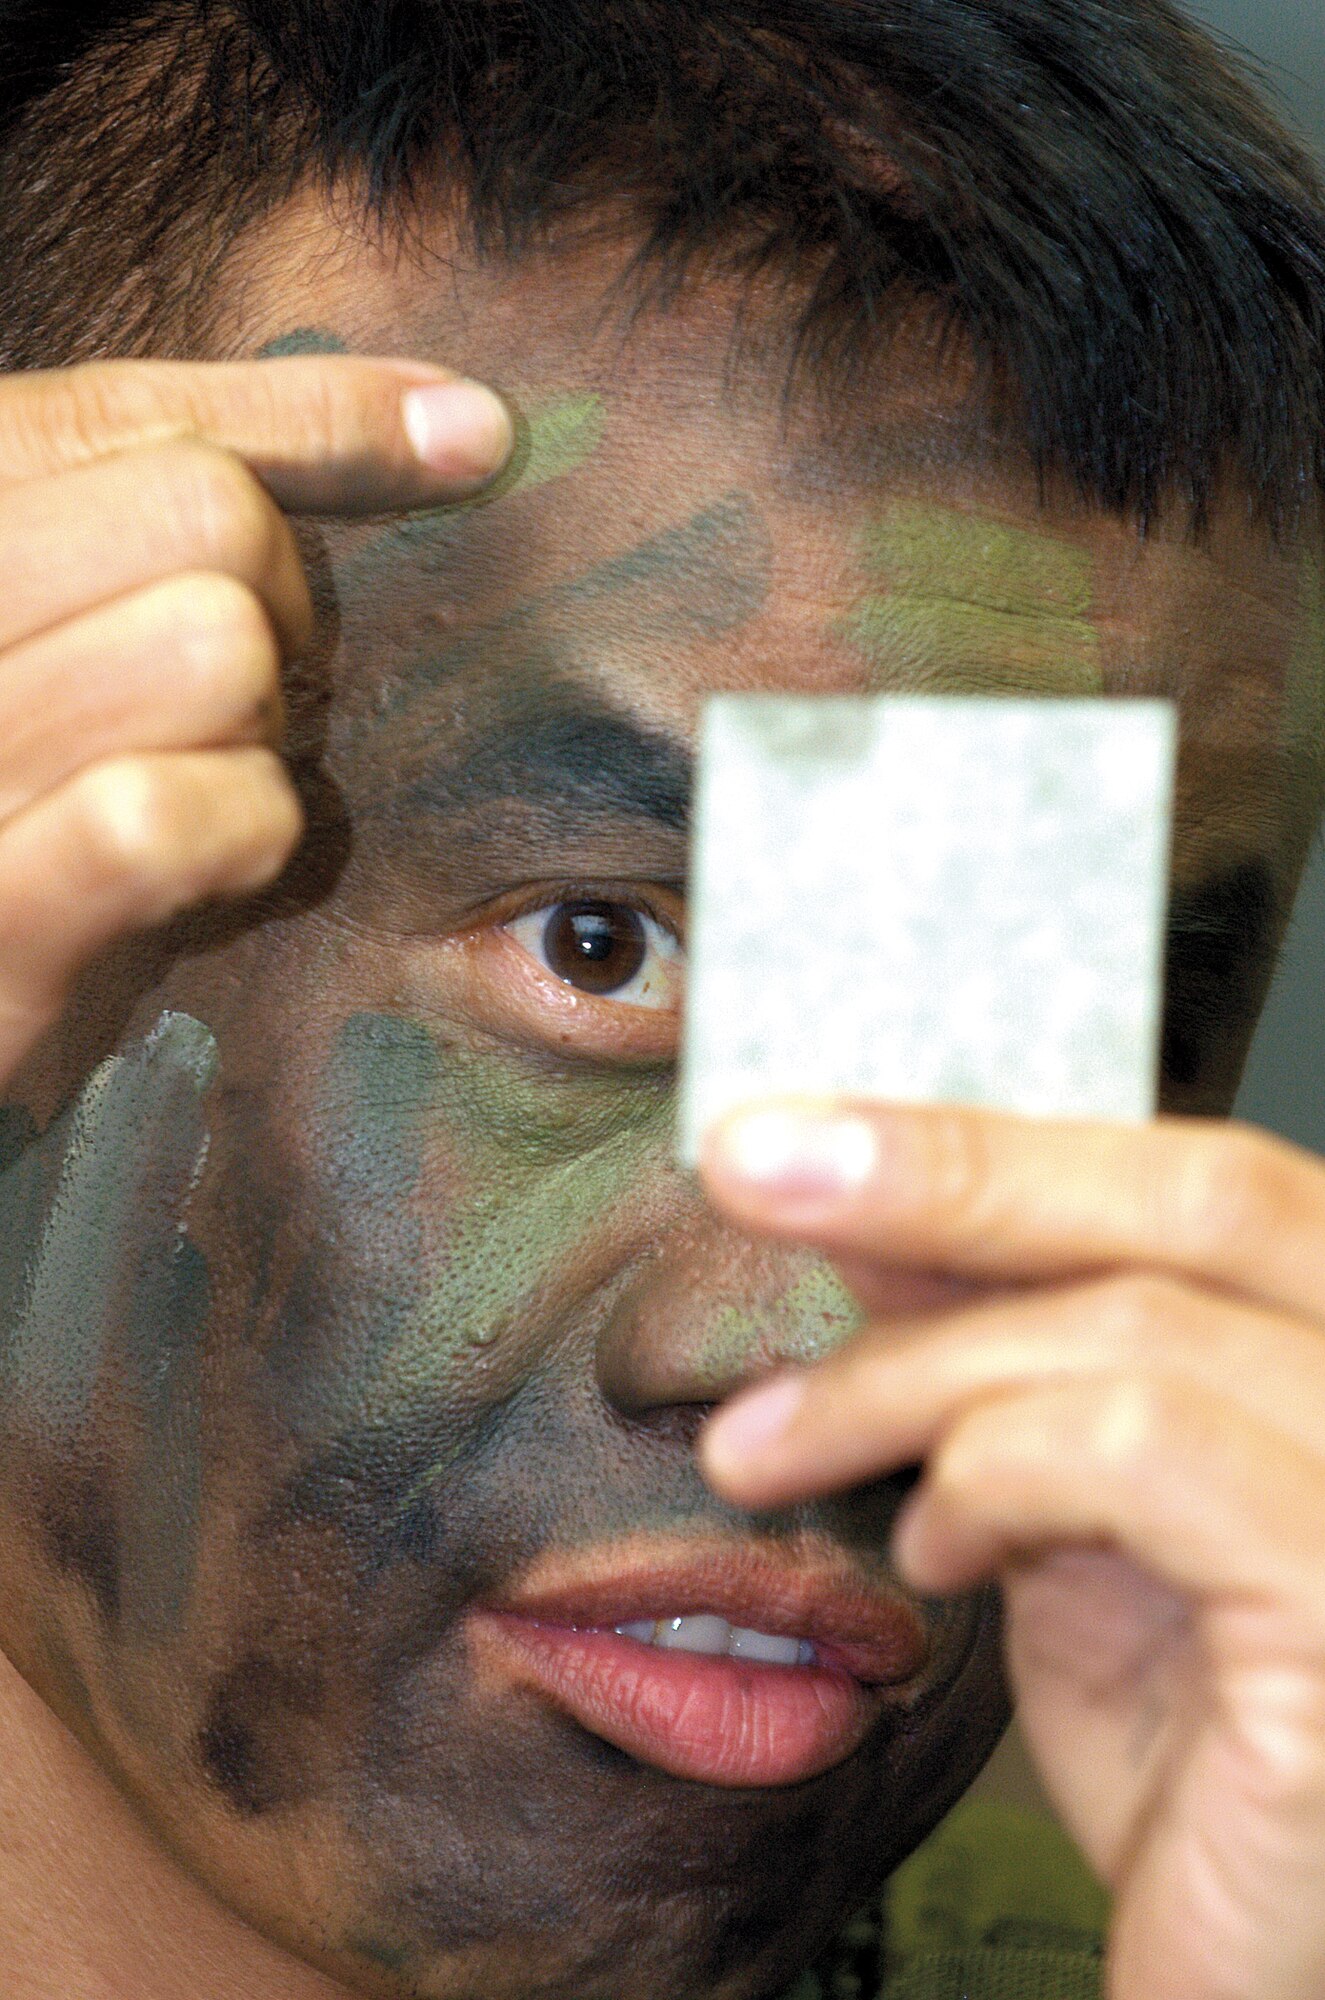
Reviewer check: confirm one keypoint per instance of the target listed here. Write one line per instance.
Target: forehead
(677, 524)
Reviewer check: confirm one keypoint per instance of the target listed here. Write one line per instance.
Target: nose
(713, 1309)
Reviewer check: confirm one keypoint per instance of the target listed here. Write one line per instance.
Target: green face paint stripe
(545, 1160)
(934, 552)
(1007, 609)
(924, 646)
(554, 441)
(810, 1319)
(505, 1244)
(548, 1162)
(1304, 708)
(827, 1309)
(302, 340)
(563, 436)
(551, 444)
(501, 1248)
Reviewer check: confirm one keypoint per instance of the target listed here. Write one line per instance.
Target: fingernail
(744, 1429)
(459, 429)
(801, 1155)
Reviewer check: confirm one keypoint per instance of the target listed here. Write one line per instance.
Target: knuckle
(165, 830)
(265, 773)
(1230, 1193)
(1136, 1308)
(227, 641)
(1281, 1735)
(125, 825)
(1127, 1431)
(271, 817)
(228, 519)
(331, 407)
(958, 1170)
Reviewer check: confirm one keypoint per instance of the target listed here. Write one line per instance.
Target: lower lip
(710, 1718)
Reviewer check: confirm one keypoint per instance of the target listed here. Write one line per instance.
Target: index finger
(327, 434)
(991, 1196)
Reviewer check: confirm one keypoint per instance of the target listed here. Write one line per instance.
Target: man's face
(349, 1285)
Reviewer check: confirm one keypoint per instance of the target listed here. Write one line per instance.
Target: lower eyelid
(507, 992)
(529, 930)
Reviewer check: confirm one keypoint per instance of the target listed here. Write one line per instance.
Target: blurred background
(1285, 1083)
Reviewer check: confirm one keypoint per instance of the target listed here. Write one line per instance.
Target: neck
(91, 1904)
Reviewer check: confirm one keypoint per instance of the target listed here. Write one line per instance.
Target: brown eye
(608, 949)
(599, 947)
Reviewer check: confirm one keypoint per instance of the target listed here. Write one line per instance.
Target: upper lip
(874, 1632)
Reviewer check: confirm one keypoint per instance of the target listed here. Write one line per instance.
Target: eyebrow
(565, 756)
(572, 760)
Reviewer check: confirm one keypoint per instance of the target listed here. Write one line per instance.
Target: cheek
(455, 1208)
(97, 1209)
(106, 1299)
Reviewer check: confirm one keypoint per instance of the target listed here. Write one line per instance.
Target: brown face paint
(556, 439)
(699, 579)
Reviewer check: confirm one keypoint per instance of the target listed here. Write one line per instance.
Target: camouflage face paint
(115, 1295)
(302, 340)
(556, 440)
(694, 582)
(806, 1321)
(471, 1197)
(550, 1160)
(971, 605)
(375, 1103)
(700, 579)
(532, 1159)
(131, 1152)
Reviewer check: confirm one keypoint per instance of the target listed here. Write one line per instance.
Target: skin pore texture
(348, 1276)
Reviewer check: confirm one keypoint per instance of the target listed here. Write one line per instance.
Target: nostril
(904, 1481)
(671, 1423)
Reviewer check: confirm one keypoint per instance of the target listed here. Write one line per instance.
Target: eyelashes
(605, 948)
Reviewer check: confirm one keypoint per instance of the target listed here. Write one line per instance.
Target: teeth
(705, 1633)
(693, 1635)
(764, 1646)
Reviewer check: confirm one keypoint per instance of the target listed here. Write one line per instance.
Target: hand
(1122, 1418)
(152, 594)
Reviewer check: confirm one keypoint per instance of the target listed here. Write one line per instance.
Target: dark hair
(1086, 187)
